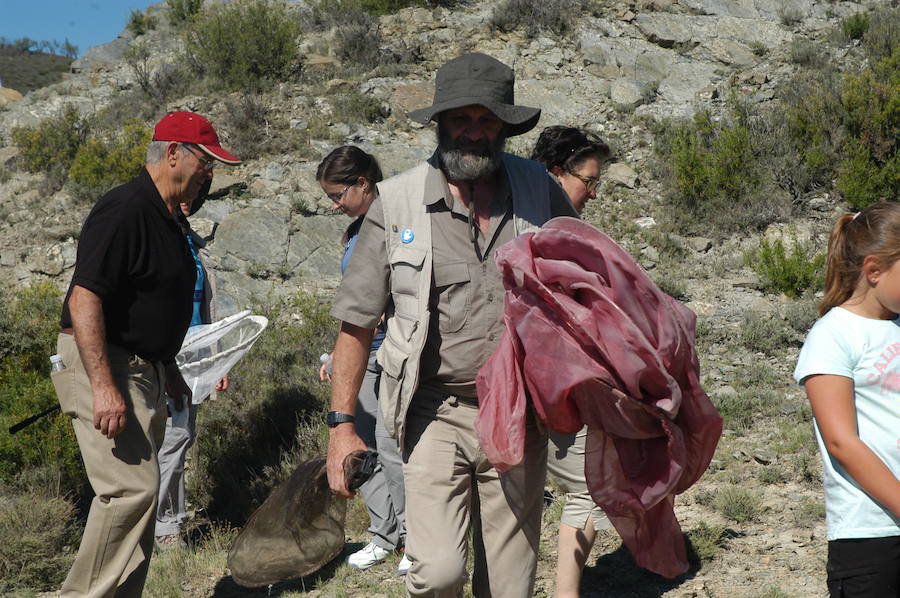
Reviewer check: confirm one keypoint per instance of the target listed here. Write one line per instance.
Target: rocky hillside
(628, 65)
(620, 70)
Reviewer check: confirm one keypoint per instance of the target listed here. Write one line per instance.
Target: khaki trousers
(450, 487)
(565, 464)
(115, 549)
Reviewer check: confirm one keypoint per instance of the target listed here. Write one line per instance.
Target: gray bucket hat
(483, 80)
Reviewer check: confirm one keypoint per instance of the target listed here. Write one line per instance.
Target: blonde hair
(875, 231)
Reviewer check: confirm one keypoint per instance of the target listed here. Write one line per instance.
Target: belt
(67, 331)
(465, 400)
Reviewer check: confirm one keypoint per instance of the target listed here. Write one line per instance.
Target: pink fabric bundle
(591, 340)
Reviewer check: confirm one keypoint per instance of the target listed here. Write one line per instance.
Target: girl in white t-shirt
(850, 367)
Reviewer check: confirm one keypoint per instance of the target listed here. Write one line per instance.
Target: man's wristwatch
(336, 417)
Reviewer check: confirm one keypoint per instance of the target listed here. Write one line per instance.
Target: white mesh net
(209, 351)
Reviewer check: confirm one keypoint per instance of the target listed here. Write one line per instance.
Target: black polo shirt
(132, 253)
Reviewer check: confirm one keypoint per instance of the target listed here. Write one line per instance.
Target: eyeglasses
(337, 197)
(207, 164)
(591, 182)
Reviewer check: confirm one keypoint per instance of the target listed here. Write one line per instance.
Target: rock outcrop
(272, 230)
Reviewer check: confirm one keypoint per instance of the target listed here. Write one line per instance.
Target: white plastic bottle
(56, 363)
(325, 358)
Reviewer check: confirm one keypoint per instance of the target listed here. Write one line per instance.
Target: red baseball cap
(190, 127)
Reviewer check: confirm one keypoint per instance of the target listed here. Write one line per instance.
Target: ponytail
(875, 232)
(841, 273)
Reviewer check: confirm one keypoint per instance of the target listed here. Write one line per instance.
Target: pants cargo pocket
(64, 384)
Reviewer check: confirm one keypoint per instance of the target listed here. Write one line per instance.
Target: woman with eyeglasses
(348, 175)
(575, 158)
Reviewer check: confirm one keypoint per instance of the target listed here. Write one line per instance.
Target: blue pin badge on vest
(407, 236)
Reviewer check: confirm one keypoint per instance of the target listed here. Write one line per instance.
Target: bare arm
(86, 309)
(831, 398)
(351, 354)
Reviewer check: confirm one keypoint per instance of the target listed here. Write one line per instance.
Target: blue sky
(85, 23)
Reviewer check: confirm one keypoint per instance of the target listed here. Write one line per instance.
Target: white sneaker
(370, 555)
(404, 565)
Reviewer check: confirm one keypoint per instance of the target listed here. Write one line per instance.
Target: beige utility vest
(402, 198)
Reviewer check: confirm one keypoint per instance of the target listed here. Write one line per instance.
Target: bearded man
(424, 258)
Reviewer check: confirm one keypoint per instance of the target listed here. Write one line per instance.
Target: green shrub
(47, 444)
(137, 57)
(771, 474)
(807, 135)
(807, 468)
(870, 172)
(50, 146)
(759, 48)
(790, 272)
(384, 7)
(254, 130)
(672, 286)
(764, 333)
(716, 183)
(855, 26)
(705, 541)
(197, 571)
(800, 315)
(789, 15)
(34, 531)
(169, 79)
(882, 37)
(29, 322)
(181, 11)
(380, 7)
(358, 40)
(738, 504)
(710, 160)
(794, 430)
(245, 43)
(807, 54)
(841, 131)
(140, 22)
(537, 16)
(102, 164)
(356, 107)
(247, 121)
(742, 409)
(244, 437)
(809, 513)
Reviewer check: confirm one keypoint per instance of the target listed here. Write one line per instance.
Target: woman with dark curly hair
(575, 157)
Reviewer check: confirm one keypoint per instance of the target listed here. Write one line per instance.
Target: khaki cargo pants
(115, 549)
(450, 487)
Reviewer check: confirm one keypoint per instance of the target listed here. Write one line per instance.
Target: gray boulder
(628, 92)
(109, 52)
(254, 235)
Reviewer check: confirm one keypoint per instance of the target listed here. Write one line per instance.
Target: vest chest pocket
(454, 295)
(406, 265)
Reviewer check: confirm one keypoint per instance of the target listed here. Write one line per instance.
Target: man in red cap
(123, 321)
